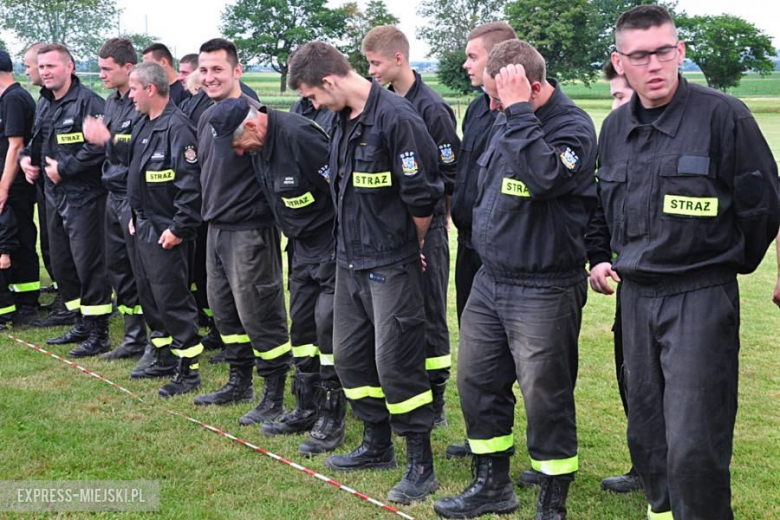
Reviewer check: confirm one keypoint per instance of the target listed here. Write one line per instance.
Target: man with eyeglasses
(689, 190)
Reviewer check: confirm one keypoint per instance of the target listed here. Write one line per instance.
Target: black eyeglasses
(665, 53)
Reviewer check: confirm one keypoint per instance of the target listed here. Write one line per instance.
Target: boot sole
(398, 497)
(80, 356)
(225, 403)
(372, 465)
(146, 376)
(505, 507)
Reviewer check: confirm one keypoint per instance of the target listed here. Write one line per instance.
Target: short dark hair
(159, 51)
(221, 44)
(312, 62)
(6, 65)
(121, 50)
(492, 33)
(58, 48)
(643, 17)
(609, 71)
(191, 58)
(516, 52)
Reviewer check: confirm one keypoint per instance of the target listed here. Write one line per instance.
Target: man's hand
(5, 261)
(599, 276)
(131, 227)
(168, 240)
(52, 170)
(95, 131)
(3, 199)
(776, 295)
(31, 173)
(513, 85)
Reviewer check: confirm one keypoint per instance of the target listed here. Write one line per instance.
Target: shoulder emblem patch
(409, 164)
(569, 159)
(190, 155)
(325, 172)
(447, 155)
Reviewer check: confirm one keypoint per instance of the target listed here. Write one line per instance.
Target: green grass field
(59, 424)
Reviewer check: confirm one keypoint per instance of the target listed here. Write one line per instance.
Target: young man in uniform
(689, 191)
(385, 182)
(75, 197)
(187, 65)
(387, 51)
(522, 319)
(161, 55)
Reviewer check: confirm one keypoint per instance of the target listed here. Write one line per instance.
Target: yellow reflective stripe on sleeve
(122, 137)
(515, 188)
(234, 338)
(556, 467)
(195, 366)
(76, 137)
(96, 310)
(372, 180)
(25, 287)
(8, 310)
(160, 176)
(162, 342)
(494, 445)
(658, 516)
(130, 311)
(303, 351)
(411, 404)
(191, 352)
(208, 313)
(307, 199)
(274, 352)
(362, 392)
(73, 305)
(691, 206)
(437, 363)
(326, 360)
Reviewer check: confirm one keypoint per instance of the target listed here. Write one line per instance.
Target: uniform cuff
(421, 211)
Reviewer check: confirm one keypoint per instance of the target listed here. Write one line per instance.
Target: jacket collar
(75, 83)
(670, 120)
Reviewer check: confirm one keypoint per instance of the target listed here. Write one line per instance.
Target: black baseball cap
(228, 115)
(6, 65)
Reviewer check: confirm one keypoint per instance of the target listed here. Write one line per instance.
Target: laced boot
(97, 340)
(328, 432)
(238, 389)
(375, 452)
(135, 339)
(185, 379)
(302, 417)
(419, 480)
(270, 406)
(552, 497)
(76, 334)
(491, 491)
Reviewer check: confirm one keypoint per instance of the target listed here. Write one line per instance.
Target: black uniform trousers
(43, 228)
(246, 292)
(521, 333)
(467, 263)
(436, 279)
(77, 243)
(7, 305)
(681, 346)
(379, 345)
(198, 275)
(120, 253)
(162, 277)
(617, 334)
(24, 278)
(312, 286)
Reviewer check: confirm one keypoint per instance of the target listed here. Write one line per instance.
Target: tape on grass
(222, 433)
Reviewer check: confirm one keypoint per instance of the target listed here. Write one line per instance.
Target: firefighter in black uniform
(116, 59)
(160, 54)
(387, 51)
(9, 244)
(75, 197)
(164, 194)
(322, 116)
(291, 162)
(522, 320)
(384, 171)
(690, 197)
(17, 113)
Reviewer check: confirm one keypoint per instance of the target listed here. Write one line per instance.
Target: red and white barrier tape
(225, 434)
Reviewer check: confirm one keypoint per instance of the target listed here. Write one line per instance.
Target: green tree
(269, 30)
(451, 72)
(358, 24)
(81, 25)
(725, 48)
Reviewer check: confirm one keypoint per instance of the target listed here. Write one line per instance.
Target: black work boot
(219, 357)
(491, 491)
(238, 389)
(439, 419)
(458, 451)
(185, 379)
(135, 339)
(58, 315)
(97, 340)
(163, 365)
(375, 452)
(76, 334)
(146, 359)
(270, 406)
(302, 417)
(212, 340)
(529, 478)
(622, 483)
(419, 480)
(328, 432)
(552, 497)
(25, 315)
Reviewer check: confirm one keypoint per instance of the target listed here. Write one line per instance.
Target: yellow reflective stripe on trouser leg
(25, 287)
(304, 351)
(411, 404)
(162, 342)
(129, 311)
(438, 363)
(96, 310)
(234, 338)
(658, 516)
(362, 392)
(190, 352)
(73, 305)
(274, 352)
(556, 467)
(326, 360)
(8, 310)
(494, 445)
(208, 313)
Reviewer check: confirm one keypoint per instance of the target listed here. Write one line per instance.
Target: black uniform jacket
(195, 106)
(390, 174)
(536, 194)
(695, 192)
(322, 116)
(120, 118)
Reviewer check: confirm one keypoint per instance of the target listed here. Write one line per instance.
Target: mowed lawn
(59, 424)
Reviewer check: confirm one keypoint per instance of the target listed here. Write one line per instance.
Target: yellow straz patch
(299, 202)
(515, 188)
(77, 137)
(122, 138)
(161, 176)
(372, 180)
(691, 206)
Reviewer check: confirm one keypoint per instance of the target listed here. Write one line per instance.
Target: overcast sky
(183, 27)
